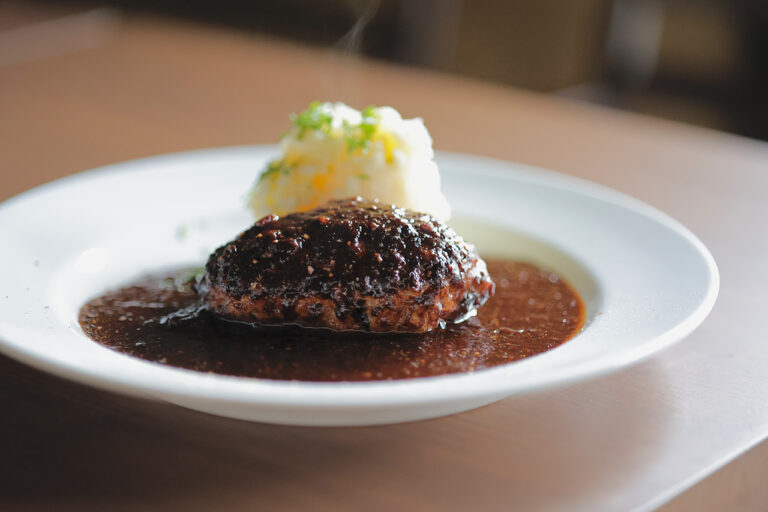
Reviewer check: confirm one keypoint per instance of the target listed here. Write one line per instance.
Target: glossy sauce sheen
(160, 319)
(350, 264)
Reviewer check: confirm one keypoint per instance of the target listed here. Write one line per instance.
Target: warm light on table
(628, 441)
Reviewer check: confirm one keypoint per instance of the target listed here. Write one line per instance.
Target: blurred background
(703, 62)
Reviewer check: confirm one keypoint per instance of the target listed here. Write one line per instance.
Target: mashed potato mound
(333, 151)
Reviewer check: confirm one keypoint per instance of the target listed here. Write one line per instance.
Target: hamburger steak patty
(350, 264)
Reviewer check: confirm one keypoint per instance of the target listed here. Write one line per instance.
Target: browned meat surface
(350, 264)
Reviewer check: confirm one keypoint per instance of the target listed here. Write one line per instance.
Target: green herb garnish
(313, 118)
(359, 136)
(274, 168)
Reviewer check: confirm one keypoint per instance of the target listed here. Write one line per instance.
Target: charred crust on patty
(350, 264)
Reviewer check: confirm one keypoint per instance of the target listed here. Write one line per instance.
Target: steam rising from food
(350, 42)
(333, 151)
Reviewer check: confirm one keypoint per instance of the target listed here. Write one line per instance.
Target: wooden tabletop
(113, 88)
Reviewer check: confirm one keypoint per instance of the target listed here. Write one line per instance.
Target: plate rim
(321, 395)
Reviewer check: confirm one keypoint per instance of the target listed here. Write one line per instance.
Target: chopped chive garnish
(274, 168)
(313, 118)
(359, 136)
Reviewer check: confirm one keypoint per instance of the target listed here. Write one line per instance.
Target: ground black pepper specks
(367, 265)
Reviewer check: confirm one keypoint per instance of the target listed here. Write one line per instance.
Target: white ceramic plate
(646, 280)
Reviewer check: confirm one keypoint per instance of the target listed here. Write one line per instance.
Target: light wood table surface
(629, 441)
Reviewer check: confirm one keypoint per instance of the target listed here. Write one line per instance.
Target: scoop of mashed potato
(333, 151)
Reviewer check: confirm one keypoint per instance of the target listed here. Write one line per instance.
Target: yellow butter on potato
(333, 151)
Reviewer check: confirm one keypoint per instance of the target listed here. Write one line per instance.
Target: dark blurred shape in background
(698, 61)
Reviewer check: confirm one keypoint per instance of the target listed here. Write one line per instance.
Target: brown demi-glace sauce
(160, 319)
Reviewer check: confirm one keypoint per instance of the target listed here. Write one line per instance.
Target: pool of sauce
(159, 318)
